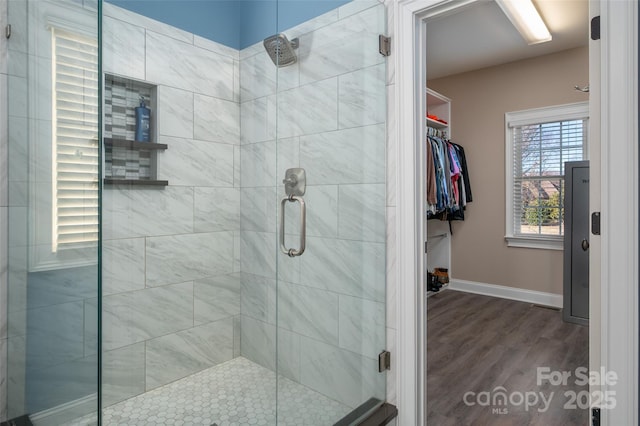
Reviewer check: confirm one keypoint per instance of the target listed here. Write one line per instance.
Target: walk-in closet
(505, 117)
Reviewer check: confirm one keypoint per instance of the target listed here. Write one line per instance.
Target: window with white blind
(75, 140)
(538, 143)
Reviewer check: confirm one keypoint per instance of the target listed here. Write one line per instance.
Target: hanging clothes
(448, 183)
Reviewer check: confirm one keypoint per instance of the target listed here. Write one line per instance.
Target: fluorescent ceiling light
(524, 16)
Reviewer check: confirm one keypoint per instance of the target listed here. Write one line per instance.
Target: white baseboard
(521, 295)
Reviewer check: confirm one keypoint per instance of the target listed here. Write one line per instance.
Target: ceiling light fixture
(524, 16)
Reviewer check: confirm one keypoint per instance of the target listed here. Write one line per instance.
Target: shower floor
(237, 392)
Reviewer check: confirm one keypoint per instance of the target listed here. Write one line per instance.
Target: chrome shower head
(280, 49)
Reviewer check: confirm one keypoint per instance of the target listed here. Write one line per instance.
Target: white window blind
(540, 151)
(75, 140)
(538, 143)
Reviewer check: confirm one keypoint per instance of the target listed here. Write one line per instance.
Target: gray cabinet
(576, 242)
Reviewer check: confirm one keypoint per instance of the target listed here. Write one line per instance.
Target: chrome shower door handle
(303, 225)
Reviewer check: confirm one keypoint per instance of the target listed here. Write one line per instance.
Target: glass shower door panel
(331, 122)
(53, 213)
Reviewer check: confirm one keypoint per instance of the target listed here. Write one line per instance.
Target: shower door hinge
(384, 361)
(7, 31)
(384, 45)
(595, 28)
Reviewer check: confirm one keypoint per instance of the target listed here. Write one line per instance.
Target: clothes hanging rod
(437, 236)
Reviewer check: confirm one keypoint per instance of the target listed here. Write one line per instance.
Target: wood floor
(478, 343)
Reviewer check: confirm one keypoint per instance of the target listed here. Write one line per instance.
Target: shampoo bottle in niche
(143, 122)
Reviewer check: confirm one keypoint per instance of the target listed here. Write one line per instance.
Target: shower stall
(230, 268)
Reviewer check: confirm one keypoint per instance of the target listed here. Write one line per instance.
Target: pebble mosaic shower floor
(235, 393)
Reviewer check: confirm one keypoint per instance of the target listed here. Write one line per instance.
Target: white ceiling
(480, 35)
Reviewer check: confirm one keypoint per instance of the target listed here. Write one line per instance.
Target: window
(538, 143)
(75, 141)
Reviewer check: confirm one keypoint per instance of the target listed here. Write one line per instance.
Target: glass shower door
(330, 294)
(53, 213)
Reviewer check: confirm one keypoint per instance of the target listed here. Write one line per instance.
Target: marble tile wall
(327, 113)
(4, 211)
(171, 256)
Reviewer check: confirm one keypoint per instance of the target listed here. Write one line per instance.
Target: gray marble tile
(18, 193)
(258, 164)
(123, 263)
(258, 77)
(236, 80)
(56, 334)
(215, 47)
(18, 94)
(361, 212)
(392, 270)
(18, 226)
(16, 375)
(254, 49)
(237, 179)
(347, 267)
(123, 373)
(392, 146)
(146, 212)
(4, 145)
(18, 159)
(289, 354)
(322, 210)
(216, 298)
(123, 48)
(341, 375)
(4, 275)
(90, 326)
(258, 255)
(175, 112)
(178, 355)
(148, 23)
(361, 97)
(180, 258)
(258, 120)
(345, 156)
(196, 163)
(17, 279)
(188, 67)
(216, 120)
(289, 267)
(258, 209)
(3, 379)
(344, 46)
(17, 12)
(56, 385)
(308, 109)
(258, 297)
(58, 286)
(17, 63)
(362, 326)
(237, 243)
(288, 154)
(137, 316)
(216, 209)
(258, 342)
(308, 311)
(237, 333)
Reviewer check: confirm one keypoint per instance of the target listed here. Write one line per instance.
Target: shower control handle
(303, 225)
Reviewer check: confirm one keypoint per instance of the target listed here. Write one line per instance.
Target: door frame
(616, 338)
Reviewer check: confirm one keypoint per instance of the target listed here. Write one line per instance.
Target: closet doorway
(495, 216)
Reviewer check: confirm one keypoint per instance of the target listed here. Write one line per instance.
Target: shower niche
(127, 161)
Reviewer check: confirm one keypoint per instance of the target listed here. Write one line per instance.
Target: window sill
(535, 242)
